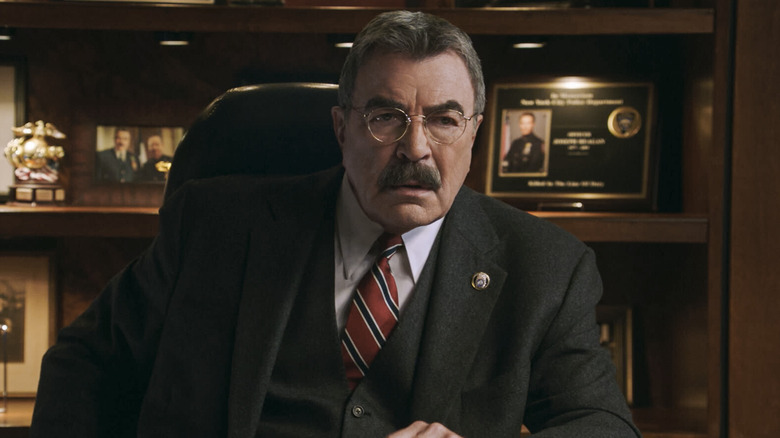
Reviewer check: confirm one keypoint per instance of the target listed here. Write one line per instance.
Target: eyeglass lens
(390, 124)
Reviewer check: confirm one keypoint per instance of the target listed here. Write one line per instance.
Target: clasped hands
(423, 429)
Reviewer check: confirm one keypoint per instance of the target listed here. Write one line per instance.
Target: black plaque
(572, 143)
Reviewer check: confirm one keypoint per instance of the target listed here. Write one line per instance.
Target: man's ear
(339, 123)
(477, 123)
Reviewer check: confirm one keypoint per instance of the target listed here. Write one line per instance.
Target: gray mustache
(403, 173)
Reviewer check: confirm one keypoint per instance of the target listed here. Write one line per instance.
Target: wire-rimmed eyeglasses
(388, 125)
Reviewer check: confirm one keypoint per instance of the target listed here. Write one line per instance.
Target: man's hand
(423, 429)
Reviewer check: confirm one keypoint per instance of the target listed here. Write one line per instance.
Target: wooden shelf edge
(52, 221)
(23, 221)
(278, 19)
(632, 227)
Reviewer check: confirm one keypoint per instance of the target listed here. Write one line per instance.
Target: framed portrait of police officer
(524, 142)
(572, 143)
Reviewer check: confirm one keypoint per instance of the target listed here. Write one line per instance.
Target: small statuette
(37, 163)
(480, 281)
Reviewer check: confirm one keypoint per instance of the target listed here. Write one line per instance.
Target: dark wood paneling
(754, 385)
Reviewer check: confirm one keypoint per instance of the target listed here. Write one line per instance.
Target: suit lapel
(457, 312)
(279, 247)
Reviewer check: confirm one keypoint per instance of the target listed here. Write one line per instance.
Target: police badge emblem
(624, 122)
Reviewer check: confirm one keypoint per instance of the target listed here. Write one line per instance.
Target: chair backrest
(268, 129)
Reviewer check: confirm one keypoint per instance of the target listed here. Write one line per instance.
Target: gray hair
(414, 34)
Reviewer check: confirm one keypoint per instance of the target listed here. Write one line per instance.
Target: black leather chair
(269, 129)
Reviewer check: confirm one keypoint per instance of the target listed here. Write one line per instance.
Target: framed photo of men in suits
(572, 143)
(135, 154)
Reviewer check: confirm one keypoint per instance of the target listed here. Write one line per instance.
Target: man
(118, 164)
(526, 154)
(154, 155)
(242, 318)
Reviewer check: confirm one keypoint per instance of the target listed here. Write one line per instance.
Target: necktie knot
(389, 244)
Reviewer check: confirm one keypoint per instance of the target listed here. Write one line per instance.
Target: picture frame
(28, 307)
(572, 143)
(13, 110)
(146, 153)
(616, 336)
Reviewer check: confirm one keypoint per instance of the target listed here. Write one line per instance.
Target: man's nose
(414, 145)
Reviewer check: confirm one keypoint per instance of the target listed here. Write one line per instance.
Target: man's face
(121, 140)
(154, 147)
(526, 124)
(417, 87)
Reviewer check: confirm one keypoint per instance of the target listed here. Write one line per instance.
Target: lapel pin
(480, 281)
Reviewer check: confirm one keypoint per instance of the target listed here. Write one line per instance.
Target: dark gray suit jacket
(183, 341)
(110, 168)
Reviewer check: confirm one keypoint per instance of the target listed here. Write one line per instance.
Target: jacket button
(357, 411)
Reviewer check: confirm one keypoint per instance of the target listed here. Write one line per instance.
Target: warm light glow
(529, 45)
(173, 38)
(174, 43)
(573, 82)
(344, 45)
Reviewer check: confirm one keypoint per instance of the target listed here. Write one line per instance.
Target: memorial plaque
(572, 143)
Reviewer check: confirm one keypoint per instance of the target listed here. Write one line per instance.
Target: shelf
(274, 19)
(48, 221)
(141, 222)
(632, 227)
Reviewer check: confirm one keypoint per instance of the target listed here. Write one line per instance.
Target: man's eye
(386, 117)
(443, 120)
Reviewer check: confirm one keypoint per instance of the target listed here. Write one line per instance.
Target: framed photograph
(572, 143)
(12, 114)
(27, 311)
(616, 326)
(135, 154)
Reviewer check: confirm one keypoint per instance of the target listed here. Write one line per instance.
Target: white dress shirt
(354, 237)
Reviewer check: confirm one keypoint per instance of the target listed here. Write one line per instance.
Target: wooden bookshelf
(670, 266)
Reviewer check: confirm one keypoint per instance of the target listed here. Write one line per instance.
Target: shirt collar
(357, 234)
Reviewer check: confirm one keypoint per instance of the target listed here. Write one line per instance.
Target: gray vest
(308, 393)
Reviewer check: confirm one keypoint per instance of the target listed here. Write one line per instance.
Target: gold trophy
(36, 164)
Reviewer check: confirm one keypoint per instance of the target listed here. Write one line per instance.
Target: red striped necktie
(372, 314)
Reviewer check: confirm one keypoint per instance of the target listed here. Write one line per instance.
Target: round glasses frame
(448, 114)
